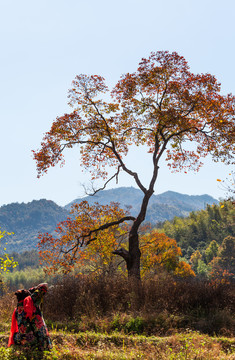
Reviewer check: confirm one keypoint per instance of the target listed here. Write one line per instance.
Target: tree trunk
(132, 256)
(133, 263)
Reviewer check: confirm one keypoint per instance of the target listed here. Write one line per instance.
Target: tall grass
(157, 305)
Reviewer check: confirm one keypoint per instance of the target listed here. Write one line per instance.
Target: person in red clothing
(28, 328)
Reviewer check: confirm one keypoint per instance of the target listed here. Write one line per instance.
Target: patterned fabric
(27, 319)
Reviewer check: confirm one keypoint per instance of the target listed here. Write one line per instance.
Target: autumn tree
(227, 254)
(159, 252)
(77, 240)
(170, 112)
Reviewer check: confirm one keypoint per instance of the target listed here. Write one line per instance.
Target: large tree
(163, 107)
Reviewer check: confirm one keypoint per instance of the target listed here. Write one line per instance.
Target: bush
(135, 325)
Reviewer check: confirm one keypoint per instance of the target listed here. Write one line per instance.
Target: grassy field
(117, 346)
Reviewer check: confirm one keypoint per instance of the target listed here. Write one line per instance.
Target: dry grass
(93, 346)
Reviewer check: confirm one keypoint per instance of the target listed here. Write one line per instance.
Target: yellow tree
(161, 252)
(79, 243)
(162, 107)
(6, 262)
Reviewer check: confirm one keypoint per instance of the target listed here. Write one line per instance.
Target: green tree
(202, 269)
(227, 254)
(211, 251)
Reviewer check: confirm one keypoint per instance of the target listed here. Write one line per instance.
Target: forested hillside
(27, 220)
(207, 239)
(201, 227)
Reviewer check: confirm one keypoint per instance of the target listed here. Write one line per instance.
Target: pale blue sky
(45, 43)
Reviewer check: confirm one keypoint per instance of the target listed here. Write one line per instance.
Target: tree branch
(81, 239)
(108, 225)
(105, 184)
(123, 253)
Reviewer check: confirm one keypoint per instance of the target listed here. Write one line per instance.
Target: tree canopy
(162, 107)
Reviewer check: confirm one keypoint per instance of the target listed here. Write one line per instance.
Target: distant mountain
(39, 216)
(126, 196)
(161, 207)
(27, 220)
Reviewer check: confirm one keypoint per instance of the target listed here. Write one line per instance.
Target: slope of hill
(28, 220)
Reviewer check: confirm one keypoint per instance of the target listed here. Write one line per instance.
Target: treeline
(27, 272)
(24, 279)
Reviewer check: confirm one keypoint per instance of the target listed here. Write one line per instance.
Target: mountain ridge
(182, 203)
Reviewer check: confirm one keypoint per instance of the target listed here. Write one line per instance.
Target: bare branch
(95, 191)
(137, 129)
